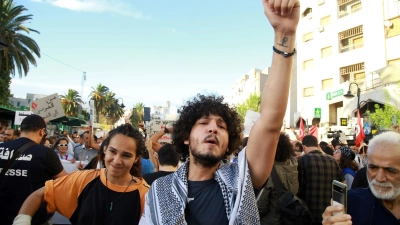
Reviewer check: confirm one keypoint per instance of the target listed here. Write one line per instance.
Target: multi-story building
(342, 44)
(160, 112)
(252, 82)
(21, 102)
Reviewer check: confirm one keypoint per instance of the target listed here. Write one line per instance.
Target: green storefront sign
(334, 94)
(317, 112)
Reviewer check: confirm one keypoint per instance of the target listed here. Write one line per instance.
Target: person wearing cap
(345, 157)
(29, 172)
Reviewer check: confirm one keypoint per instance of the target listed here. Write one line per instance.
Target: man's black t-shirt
(151, 177)
(27, 174)
(205, 203)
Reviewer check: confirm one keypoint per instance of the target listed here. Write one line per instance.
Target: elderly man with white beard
(380, 202)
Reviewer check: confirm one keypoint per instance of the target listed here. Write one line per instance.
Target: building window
(327, 84)
(308, 64)
(308, 92)
(326, 20)
(393, 61)
(307, 13)
(347, 7)
(392, 27)
(18, 104)
(308, 37)
(350, 73)
(325, 52)
(351, 39)
(359, 77)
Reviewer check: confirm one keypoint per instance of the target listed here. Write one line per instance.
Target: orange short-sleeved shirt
(83, 198)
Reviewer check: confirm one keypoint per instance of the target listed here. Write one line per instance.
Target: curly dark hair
(129, 131)
(200, 106)
(284, 150)
(345, 162)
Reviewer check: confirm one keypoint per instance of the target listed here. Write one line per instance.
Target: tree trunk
(5, 81)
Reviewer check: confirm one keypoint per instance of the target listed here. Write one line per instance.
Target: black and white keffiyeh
(167, 197)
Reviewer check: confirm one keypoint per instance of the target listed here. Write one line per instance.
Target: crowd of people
(209, 174)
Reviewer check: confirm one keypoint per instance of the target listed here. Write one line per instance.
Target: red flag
(360, 130)
(301, 129)
(314, 131)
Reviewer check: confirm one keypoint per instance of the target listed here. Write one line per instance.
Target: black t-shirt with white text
(27, 174)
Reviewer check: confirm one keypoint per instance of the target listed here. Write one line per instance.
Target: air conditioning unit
(321, 29)
(321, 2)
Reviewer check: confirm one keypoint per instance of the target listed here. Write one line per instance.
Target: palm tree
(113, 109)
(137, 114)
(71, 102)
(21, 49)
(140, 111)
(98, 94)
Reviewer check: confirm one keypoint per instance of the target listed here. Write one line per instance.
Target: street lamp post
(350, 95)
(122, 104)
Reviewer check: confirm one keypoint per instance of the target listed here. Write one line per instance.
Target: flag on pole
(301, 129)
(314, 131)
(360, 135)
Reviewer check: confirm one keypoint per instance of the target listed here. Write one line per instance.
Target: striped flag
(360, 135)
(314, 131)
(301, 129)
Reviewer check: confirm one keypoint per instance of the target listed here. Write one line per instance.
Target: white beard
(392, 194)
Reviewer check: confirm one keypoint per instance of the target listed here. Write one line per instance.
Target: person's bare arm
(263, 138)
(151, 155)
(158, 135)
(30, 207)
(92, 143)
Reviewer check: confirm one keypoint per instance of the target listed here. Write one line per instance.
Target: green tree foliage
(108, 109)
(253, 102)
(21, 50)
(137, 114)
(71, 103)
(382, 117)
(98, 94)
(112, 110)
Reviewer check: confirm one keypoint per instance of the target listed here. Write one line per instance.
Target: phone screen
(339, 195)
(394, 120)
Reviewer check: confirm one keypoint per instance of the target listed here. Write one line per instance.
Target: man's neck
(167, 168)
(393, 206)
(31, 136)
(310, 149)
(198, 172)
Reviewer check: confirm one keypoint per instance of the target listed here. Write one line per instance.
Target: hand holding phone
(339, 196)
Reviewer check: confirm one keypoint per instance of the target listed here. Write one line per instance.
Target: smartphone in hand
(394, 120)
(339, 196)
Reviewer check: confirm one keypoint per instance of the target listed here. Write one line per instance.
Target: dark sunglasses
(62, 145)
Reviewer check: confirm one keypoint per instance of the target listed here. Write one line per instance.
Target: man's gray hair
(390, 137)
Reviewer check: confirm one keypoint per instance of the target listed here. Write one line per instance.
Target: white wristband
(22, 219)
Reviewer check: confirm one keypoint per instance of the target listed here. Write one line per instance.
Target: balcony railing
(348, 12)
(351, 47)
(370, 82)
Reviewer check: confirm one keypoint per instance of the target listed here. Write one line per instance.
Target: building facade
(25, 103)
(345, 45)
(252, 82)
(160, 112)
